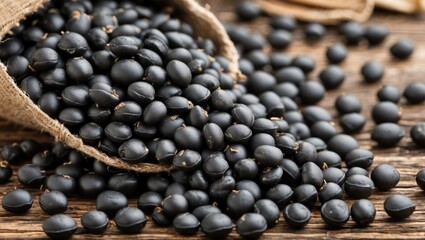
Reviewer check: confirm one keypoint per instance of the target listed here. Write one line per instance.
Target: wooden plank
(406, 157)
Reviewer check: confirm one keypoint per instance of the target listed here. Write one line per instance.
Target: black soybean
(359, 158)
(312, 174)
(399, 206)
(95, 222)
(296, 215)
(53, 202)
(332, 77)
(389, 93)
(251, 225)
(60, 226)
(111, 202)
(173, 205)
(305, 194)
(269, 210)
(385, 176)
(415, 92)
(352, 122)
(387, 134)
(342, 144)
(417, 133)
(386, 112)
(335, 213)
(91, 184)
(31, 175)
(402, 49)
(5, 172)
(376, 34)
(363, 212)
(61, 183)
(330, 191)
(336, 53)
(17, 201)
(133, 151)
(359, 186)
(186, 224)
(348, 104)
(130, 220)
(372, 71)
(216, 225)
(281, 194)
(420, 179)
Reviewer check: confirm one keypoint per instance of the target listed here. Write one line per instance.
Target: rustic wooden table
(408, 158)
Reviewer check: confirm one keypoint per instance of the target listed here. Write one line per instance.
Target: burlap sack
(337, 11)
(324, 11)
(17, 107)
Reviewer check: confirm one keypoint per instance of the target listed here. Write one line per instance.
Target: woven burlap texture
(17, 107)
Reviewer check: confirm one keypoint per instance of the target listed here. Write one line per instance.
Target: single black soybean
(372, 71)
(312, 174)
(5, 172)
(334, 175)
(111, 202)
(296, 215)
(31, 175)
(91, 184)
(386, 112)
(305, 194)
(336, 53)
(130, 220)
(335, 213)
(420, 179)
(332, 77)
(342, 144)
(352, 122)
(239, 202)
(359, 186)
(60, 226)
(53, 202)
(186, 224)
(251, 225)
(399, 206)
(389, 93)
(402, 49)
(17, 201)
(331, 159)
(216, 225)
(348, 104)
(363, 212)
(359, 158)
(95, 222)
(281, 194)
(387, 134)
(376, 34)
(330, 191)
(385, 176)
(268, 155)
(269, 210)
(415, 92)
(174, 205)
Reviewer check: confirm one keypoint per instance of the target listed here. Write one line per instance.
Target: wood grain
(406, 156)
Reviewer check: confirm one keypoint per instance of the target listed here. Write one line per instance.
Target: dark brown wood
(406, 156)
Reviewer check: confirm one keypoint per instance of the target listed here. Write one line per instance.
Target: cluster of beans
(120, 75)
(132, 81)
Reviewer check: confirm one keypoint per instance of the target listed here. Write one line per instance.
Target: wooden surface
(408, 158)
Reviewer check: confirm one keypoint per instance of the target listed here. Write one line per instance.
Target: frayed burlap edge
(17, 107)
(312, 14)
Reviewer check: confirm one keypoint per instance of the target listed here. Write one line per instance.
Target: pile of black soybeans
(243, 153)
(120, 75)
